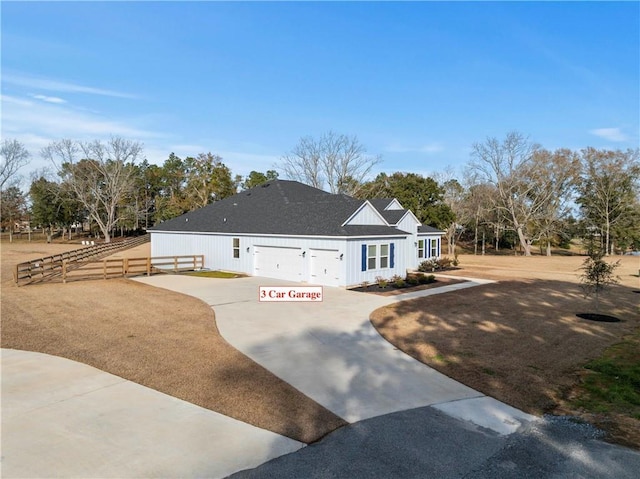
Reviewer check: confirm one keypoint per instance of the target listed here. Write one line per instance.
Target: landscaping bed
(390, 289)
(216, 274)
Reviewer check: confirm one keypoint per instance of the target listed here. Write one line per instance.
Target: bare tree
(507, 166)
(455, 199)
(553, 173)
(13, 156)
(100, 174)
(339, 162)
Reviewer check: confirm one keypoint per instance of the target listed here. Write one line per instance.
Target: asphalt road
(426, 443)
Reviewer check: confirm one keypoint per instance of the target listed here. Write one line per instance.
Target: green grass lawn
(215, 274)
(613, 381)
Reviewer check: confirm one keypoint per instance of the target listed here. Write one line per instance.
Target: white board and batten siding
(324, 261)
(409, 223)
(394, 205)
(366, 215)
(358, 272)
(279, 257)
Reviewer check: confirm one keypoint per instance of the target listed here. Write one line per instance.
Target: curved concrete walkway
(61, 418)
(332, 353)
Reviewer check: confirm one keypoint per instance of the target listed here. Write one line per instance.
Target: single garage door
(325, 267)
(279, 263)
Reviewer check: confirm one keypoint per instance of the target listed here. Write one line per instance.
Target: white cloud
(49, 99)
(427, 149)
(611, 134)
(36, 123)
(15, 100)
(59, 86)
(58, 121)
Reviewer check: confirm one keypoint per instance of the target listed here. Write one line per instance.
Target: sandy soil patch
(518, 340)
(160, 339)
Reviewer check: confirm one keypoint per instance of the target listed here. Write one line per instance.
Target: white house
(290, 231)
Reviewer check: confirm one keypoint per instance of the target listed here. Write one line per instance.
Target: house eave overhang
(400, 234)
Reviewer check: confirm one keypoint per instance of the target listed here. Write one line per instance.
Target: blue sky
(418, 83)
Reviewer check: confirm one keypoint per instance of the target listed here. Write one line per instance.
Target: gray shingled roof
(393, 216)
(277, 207)
(429, 229)
(380, 203)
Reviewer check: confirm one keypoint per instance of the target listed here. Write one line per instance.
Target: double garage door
(288, 264)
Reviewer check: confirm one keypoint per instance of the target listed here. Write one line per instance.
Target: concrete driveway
(65, 419)
(61, 418)
(331, 352)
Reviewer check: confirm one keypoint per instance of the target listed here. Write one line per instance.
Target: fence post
(125, 266)
(175, 264)
(64, 271)
(104, 268)
(148, 265)
(194, 262)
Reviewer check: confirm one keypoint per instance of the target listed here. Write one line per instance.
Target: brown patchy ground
(160, 339)
(519, 340)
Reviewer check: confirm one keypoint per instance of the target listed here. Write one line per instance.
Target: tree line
(513, 193)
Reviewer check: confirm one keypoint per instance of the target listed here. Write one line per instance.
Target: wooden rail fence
(42, 269)
(123, 267)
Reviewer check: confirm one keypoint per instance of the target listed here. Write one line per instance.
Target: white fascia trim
(365, 204)
(373, 237)
(257, 235)
(432, 233)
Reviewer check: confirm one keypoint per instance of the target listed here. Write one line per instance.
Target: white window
(236, 247)
(421, 248)
(434, 248)
(384, 256)
(372, 256)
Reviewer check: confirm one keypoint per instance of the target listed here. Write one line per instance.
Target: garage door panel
(325, 267)
(279, 263)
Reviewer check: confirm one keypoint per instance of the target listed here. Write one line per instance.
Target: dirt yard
(519, 340)
(163, 340)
